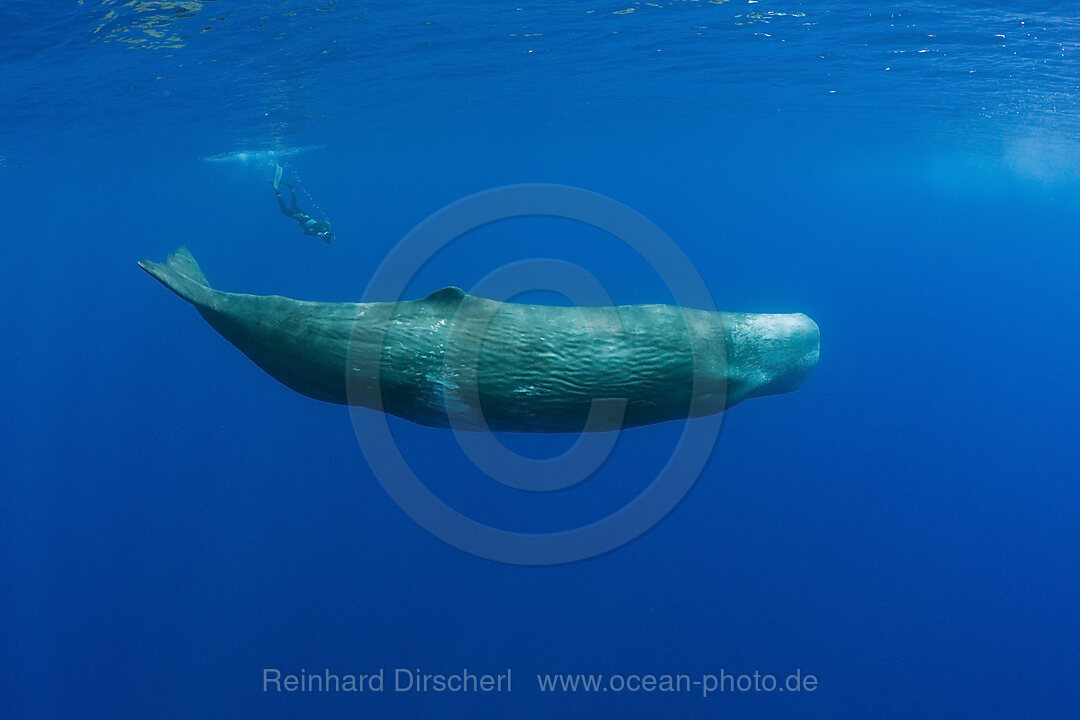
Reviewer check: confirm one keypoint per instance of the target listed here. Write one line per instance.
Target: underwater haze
(176, 526)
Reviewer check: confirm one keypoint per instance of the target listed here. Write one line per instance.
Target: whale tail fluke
(181, 274)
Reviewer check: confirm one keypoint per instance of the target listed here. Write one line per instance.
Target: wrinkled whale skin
(456, 358)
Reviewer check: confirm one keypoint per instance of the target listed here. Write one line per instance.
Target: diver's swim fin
(277, 176)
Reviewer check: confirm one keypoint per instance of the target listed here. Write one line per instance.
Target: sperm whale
(455, 359)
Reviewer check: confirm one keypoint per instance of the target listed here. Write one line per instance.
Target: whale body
(455, 359)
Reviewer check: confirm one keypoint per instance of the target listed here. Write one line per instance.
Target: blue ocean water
(904, 527)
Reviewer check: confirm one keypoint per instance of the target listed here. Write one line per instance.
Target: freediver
(310, 226)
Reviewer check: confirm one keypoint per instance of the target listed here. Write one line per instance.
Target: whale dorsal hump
(449, 295)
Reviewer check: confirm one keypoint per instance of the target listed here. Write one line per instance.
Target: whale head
(769, 354)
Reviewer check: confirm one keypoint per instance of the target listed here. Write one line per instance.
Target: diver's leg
(281, 203)
(292, 192)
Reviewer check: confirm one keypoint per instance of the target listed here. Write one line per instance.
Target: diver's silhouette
(293, 211)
